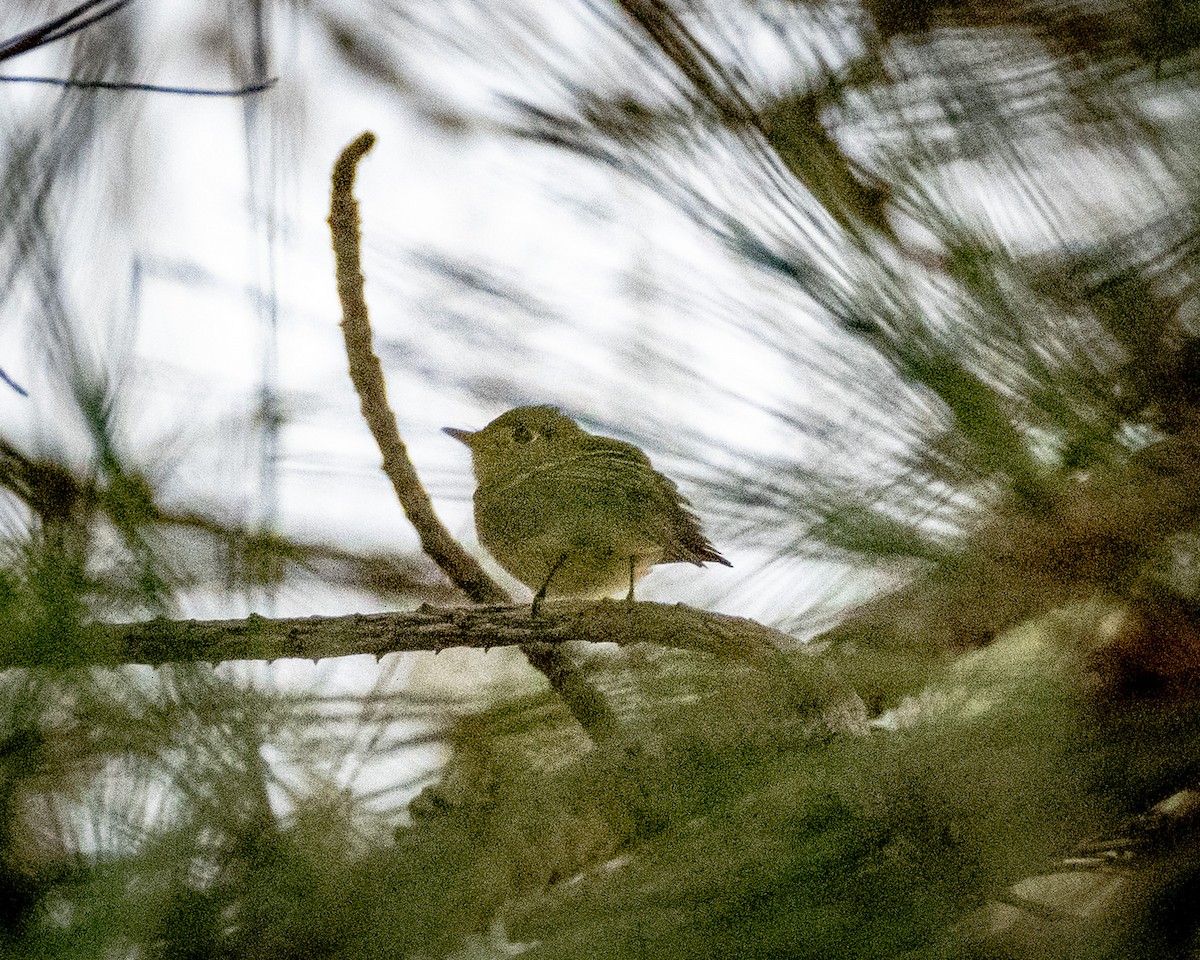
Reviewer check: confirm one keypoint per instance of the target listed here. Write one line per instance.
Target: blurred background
(901, 295)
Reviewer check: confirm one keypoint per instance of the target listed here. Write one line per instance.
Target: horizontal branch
(429, 629)
(812, 688)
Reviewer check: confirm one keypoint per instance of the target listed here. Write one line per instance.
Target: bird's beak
(462, 436)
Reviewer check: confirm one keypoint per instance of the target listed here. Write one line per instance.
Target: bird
(572, 514)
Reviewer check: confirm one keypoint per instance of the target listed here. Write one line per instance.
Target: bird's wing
(654, 501)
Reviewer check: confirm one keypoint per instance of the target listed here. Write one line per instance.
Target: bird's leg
(632, 563)
(541, 594)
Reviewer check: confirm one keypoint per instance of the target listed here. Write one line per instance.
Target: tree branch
(367, 375)
(429, 629)
(812, 690)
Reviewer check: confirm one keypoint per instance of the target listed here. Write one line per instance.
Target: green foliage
(713, 828)
(713, 841)
(793, 128)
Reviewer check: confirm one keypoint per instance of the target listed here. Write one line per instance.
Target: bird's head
(518, 441)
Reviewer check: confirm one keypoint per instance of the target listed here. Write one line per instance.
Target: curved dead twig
(367, 374)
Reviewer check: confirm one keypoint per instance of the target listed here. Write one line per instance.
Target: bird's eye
(522, 434)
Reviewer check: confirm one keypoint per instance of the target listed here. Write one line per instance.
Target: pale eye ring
(522, 434)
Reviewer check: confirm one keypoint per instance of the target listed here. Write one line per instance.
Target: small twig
(244, 91)
(13, 383)
(367, 374)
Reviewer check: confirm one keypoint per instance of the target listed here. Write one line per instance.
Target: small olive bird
(572, 514)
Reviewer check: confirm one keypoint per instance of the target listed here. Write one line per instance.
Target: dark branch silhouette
(245, 91)
(60, 27)
(76, 20)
